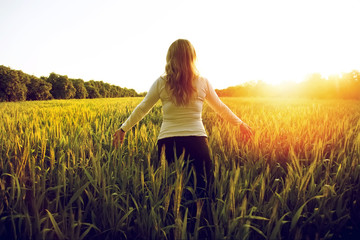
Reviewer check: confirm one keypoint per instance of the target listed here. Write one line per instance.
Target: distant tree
(314, 86)
(114, 91)
(356, 76)
(12, 84)
(107, 88)
(38, 89)
(142, 94)
(129, 93)
(92, 89)
(119, 91)
(100, 87)
(261, 89)
(234, 91)
(350, 85)
(62, 87)
(80, 89)
(334, 82)
(356, 83)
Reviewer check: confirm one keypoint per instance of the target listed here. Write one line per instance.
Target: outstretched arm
(223, 110)
(139, 113)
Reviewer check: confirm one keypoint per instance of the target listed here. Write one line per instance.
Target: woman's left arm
(224, 111)
(139, 113)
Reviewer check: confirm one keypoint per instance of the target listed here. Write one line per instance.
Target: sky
(125, 42)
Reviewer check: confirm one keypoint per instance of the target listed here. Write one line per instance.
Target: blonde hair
(180, 71)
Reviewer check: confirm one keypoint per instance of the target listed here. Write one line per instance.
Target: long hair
(180, 71)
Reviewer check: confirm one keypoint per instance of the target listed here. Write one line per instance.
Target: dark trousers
(196, 150)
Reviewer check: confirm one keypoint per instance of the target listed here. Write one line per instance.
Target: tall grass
(298, 178)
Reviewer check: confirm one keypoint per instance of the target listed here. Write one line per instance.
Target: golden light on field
(59, 168)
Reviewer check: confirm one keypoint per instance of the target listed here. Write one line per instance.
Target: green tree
(12, 84)
(114, 91)
(101, 88)
(92, 89)
(80, 89)
(107, 88)
(62, 87)
(128, 93)
(38, 89)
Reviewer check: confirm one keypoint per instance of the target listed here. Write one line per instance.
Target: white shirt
(181, 120)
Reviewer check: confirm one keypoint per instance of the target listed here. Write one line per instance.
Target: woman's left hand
(246, 130)
(119, 136)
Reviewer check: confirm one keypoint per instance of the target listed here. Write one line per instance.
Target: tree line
(18, 86)
(344, 86)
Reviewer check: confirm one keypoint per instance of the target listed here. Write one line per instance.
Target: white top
(181, 120)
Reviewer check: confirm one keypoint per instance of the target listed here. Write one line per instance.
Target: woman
(182, 92)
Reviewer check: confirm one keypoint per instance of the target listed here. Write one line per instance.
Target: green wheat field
(61, 178)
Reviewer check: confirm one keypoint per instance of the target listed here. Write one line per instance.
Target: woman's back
(182, 120)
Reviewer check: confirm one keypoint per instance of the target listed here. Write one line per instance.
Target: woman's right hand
(246, 130)
(119, 136)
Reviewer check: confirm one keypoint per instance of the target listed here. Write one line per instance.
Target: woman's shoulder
(203, 81)
(161, 80)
